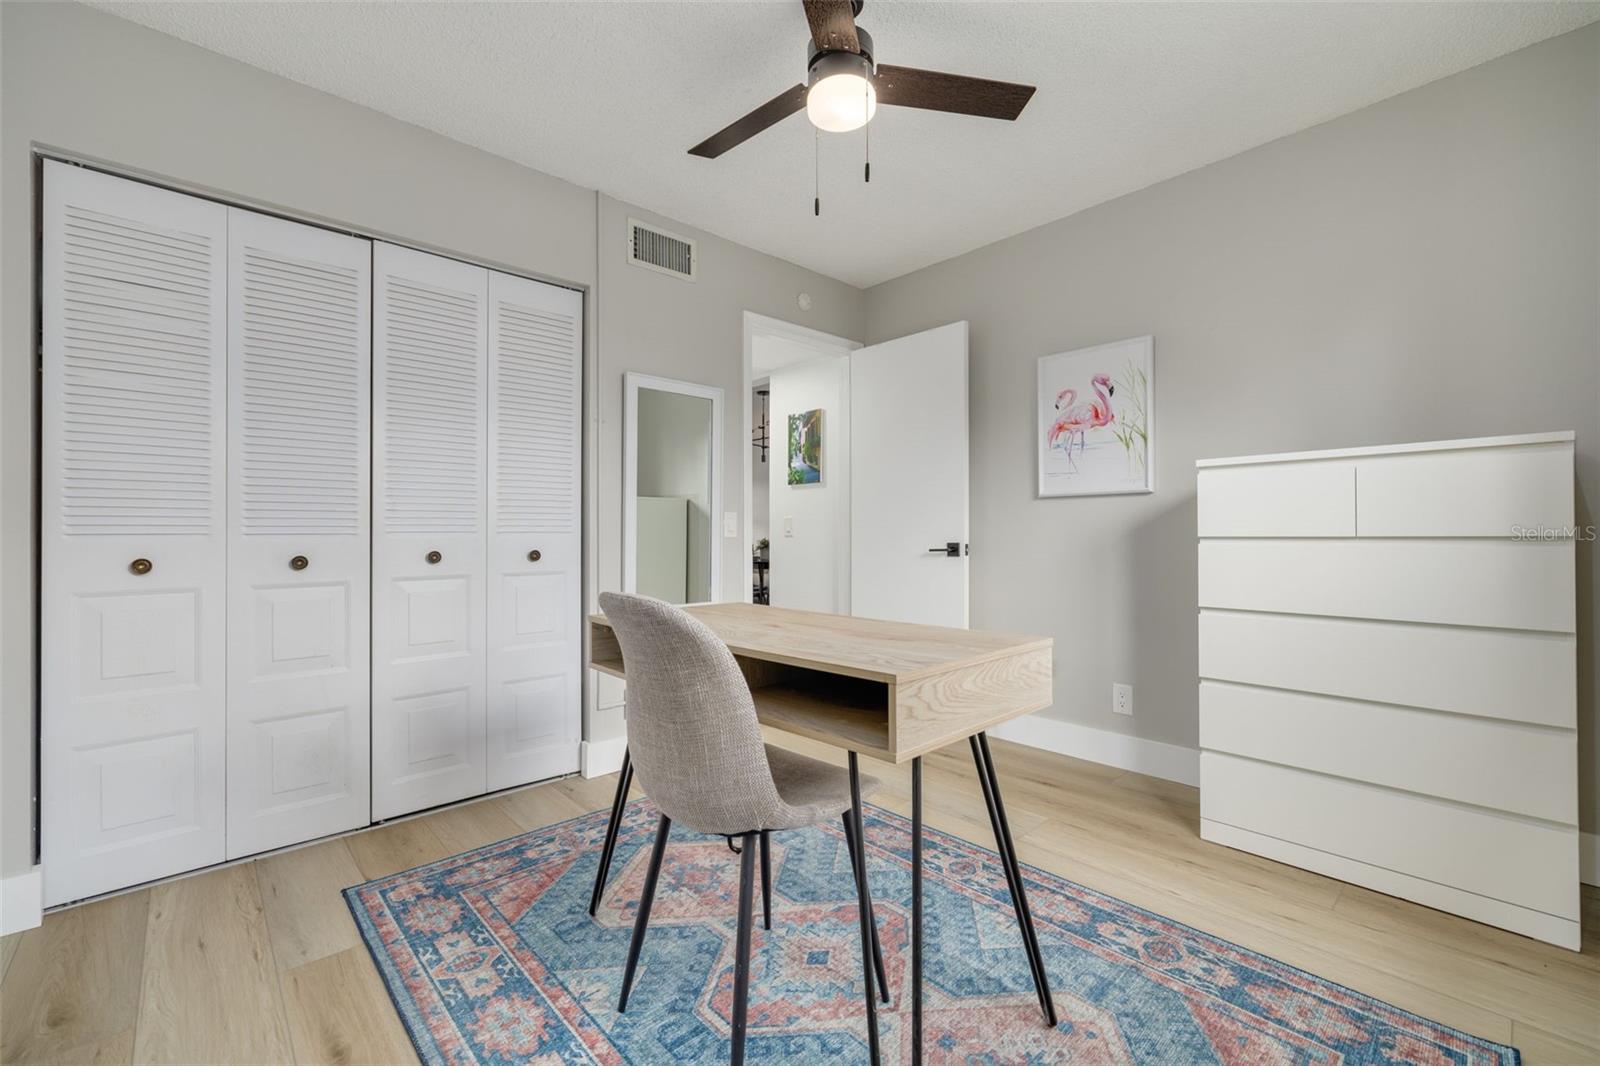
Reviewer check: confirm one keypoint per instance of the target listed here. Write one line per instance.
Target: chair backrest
(692, 731)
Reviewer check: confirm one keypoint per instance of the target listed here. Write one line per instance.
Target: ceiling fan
(844, 86)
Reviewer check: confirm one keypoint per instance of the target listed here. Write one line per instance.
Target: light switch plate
(788, 525)
(730, 523)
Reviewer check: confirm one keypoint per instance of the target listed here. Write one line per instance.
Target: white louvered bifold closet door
(535, 646)
(132, 506)
(299, 386)
(428, 559)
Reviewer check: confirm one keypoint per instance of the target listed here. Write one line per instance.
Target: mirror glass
(672, 444)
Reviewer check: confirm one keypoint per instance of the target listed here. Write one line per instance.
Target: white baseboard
(601, 757)
(21, 901)
(1589, 858)
(1154, 757)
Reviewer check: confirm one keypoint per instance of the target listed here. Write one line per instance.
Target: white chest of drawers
(1388, 671)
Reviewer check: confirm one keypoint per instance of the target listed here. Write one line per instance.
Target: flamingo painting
(1074, 420)
(1094, 432)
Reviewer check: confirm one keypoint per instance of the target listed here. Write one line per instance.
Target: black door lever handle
(951, 548)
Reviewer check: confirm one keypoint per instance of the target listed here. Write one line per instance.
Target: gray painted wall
(1425, 268)
(691, 331)
(88, 83)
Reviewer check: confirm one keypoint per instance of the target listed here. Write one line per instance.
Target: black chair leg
(766, 878)
(646, 898)
(741, 950)
(864, 904)
(618, 804)
(1008, 857)
(916, 911)
(877, 947)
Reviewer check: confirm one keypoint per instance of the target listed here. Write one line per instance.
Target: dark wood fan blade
(775, 110)
(956, 93)
(833, 25)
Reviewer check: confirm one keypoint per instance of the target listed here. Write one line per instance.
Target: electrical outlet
(730, 523)
(1122, 699)
(788, 525)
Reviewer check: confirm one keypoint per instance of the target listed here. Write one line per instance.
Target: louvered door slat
(132, 664)
(300, 359)
(535, 395)
(428, 669)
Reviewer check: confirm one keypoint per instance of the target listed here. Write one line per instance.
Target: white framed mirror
(672, 489)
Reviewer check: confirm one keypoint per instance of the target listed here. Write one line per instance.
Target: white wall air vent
(656, 249)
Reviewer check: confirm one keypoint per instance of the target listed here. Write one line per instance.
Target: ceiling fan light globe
(840, 103)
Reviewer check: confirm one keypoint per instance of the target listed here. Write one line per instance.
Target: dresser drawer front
(1501, 856)
(1500, 583)
(1482, 492)
(1506, 766)
(1517, 676)
(1492, 673)
(1277, 500)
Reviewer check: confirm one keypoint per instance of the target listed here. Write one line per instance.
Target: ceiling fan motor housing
(824, 62)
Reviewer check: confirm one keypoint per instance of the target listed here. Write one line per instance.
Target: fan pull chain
(866, 103)
(816, 171)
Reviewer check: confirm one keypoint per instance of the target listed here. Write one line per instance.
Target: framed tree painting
(1095, 434)
(805, 448)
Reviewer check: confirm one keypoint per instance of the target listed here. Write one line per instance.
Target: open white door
(908, 478)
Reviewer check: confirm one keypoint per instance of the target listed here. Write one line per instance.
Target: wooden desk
(892, 690)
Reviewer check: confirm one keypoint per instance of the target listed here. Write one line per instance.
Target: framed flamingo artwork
(1094, 434)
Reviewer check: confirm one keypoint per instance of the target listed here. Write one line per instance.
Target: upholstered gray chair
(696, 748)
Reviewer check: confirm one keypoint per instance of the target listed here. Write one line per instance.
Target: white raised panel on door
(132, 665)
(1314, 499)
(535, 647)
(1504, 765)
(1477, 492)
(1495, 673)
(299, 386)
(429, 542)
(1502, 856)
(1504, 583)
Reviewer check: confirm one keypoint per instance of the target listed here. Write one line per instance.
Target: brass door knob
(535, 555)
(299, 562)
(434, 557)
(141, 566)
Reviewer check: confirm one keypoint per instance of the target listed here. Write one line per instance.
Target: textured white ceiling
(611, 96)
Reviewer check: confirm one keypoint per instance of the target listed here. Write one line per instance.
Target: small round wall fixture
(804, 300)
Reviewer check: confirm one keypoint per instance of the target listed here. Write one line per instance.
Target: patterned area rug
(491, 957)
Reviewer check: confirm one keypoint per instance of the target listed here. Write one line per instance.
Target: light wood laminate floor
(260, 963)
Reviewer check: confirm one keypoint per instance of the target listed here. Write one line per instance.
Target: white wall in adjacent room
(1426, 268)
(811, 567)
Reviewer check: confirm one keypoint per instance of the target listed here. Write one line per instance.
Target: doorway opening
(796, 405)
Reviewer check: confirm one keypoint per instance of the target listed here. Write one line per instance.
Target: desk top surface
(858, 647)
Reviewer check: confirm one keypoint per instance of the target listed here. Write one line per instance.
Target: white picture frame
(1088, 439)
